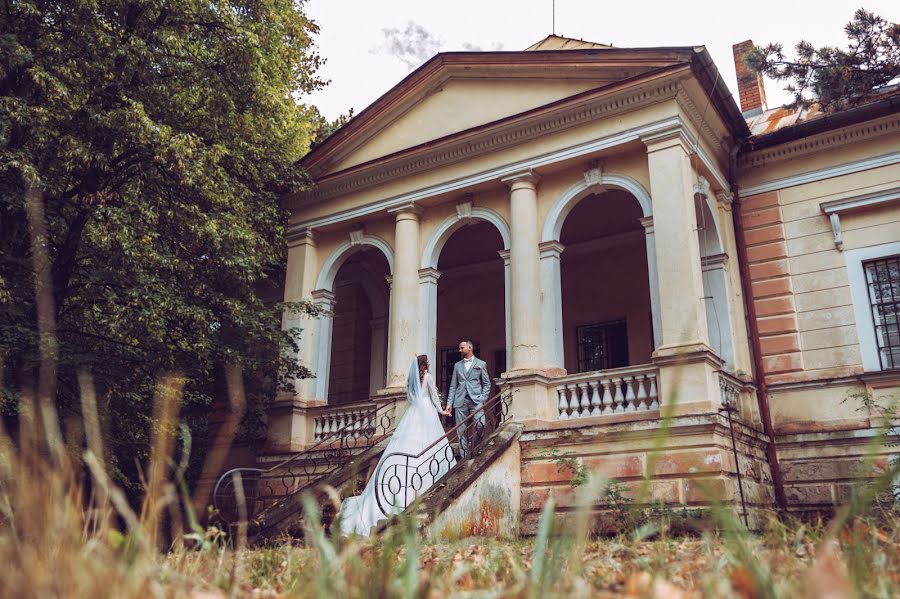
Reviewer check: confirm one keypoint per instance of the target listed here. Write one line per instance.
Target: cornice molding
(494, 138)
(700, 120)
(834, 208)
(821, 174)
(823, 141)
(573, 64)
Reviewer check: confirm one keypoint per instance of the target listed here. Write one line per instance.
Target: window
(449, 358)
(602, 345)
(874, 276)
(883, 282)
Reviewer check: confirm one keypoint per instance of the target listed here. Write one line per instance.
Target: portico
(583, 244)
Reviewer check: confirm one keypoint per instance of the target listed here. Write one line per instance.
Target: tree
(837, 78)
(325, 128)
(160, 134)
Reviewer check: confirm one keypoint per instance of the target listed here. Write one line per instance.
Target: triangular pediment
(461, 91)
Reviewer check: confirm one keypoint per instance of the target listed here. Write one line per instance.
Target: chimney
(750, 84)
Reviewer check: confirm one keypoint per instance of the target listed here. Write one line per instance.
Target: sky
(370, 45)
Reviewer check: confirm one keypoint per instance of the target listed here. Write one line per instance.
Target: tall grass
(67, 531)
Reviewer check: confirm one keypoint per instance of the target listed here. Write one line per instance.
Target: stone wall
(691, 465)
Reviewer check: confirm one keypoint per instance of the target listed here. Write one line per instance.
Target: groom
(469, 388)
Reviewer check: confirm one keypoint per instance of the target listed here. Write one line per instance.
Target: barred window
(602, 345)
(883, 281)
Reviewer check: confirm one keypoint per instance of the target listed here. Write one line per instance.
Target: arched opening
(607, 316)
(715, 282)
(471, 300)
(358, 349)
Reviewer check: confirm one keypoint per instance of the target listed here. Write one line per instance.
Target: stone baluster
(652, 395)
(607, 397)
(574, 405)
(563, 403)
(596, 403)
(317, 431)
(641, 400)
(629, 393)
(585, 400)
(619, 398)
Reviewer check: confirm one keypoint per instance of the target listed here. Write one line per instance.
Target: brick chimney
(750, 84)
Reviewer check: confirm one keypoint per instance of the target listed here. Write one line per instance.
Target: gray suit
(468, 391)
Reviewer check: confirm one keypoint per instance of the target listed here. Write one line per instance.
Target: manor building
(622, 240)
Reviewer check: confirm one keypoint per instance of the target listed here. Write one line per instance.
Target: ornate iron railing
(401, 477)
(258, 489)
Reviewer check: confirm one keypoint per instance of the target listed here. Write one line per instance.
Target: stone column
(288, 428)
(677, 249)
(323, 299)
(688, 382)
(551, 302)
(428, 291)
(525, 304)
(404, 333)
(653, 275)
(507, 314)
(377, 365)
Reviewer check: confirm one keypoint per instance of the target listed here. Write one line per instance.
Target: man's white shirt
(467, 363)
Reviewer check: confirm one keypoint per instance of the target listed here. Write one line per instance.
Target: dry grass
(67, 531)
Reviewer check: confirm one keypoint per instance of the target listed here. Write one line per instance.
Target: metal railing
(257, 490)
(401, 477)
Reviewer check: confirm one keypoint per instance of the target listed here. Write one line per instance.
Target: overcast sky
(370, 45)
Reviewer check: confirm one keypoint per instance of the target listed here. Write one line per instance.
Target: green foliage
(325, 128)
(630, 516)
(837, 78)
(161, 135)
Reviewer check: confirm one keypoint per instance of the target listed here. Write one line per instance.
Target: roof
(578, 62)
(558, 42)
(780, 125)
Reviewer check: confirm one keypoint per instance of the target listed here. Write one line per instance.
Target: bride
(419, 428)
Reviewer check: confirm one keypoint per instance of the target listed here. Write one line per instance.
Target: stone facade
(536, 201)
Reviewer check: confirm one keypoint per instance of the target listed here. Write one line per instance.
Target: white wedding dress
(402, 478)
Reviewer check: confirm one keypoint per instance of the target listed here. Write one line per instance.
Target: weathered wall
(809, 330)
(694, 468)
(489, 507)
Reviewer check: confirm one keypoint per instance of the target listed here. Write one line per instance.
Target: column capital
(551, 249)
(725, 199)
(505, 255)
(323, 297)
(300, 235)
(647, 223)
(429, 275)
(405, 211)
(523, 178)
(713, 262)
(674, 135)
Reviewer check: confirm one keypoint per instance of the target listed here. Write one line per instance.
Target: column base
(531, 394)
(290, 429)
(688, 381)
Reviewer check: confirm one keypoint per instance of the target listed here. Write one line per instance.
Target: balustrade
(607, 392)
